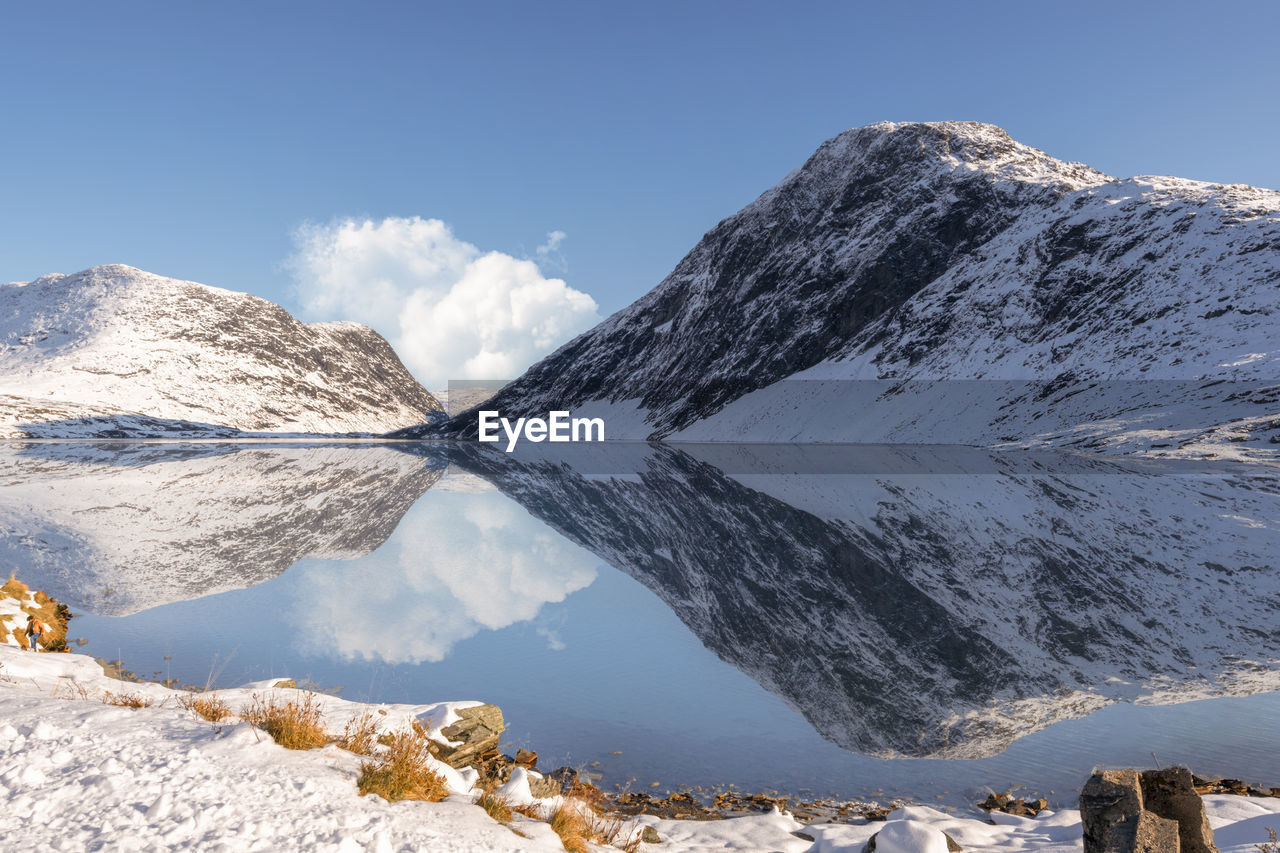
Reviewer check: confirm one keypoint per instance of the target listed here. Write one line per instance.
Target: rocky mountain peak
(934, 251)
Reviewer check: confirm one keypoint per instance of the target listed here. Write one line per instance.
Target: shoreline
(79, 761)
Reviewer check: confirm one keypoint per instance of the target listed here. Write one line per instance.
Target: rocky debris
(649, 835)
(476, 734)
(1156, 811)
(681, 806)
(1014, 806)
(1223, 785)
(724, 804)
(728, 801)
(526, 758)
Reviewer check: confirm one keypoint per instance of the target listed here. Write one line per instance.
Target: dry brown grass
(573, 827)
(360, 735)
(578, 825)
(530, 811)
(207, 705)
(495, 805)
(14, 587)
(127, 700)
(47, 610)
(403, 772)
(69, 688)
(296, 724)
(614, 832)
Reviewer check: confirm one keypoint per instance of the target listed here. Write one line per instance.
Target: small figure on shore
(35, 630)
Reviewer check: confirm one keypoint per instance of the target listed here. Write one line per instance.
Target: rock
(1152, 834)
(566, 776)
(904, 836)
(1170, 794)
(1008, 805)
(286, 683)
(543, 786)
(478, 730)
(526, 758)
(1157, 811)
(1110, 806)
(804, 836)
(649, 835)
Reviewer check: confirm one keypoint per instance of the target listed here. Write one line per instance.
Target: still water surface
(821, 620)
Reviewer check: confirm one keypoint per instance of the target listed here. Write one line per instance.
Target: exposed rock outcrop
(1156, 811)
(476, 735)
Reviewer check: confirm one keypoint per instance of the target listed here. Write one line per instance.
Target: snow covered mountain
(115, 351)
(928, 601)
(942, 283)
(116, 528)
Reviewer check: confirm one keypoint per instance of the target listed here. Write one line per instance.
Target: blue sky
(193, 140)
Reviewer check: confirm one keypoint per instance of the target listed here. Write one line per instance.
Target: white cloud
(554, 239)
(549, 254)
(450, 310)
(457, 564)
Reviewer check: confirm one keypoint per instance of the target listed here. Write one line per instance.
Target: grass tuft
(403, 772)
(126, 700)
(573, 827)
(295, 724)
(207, 705)
(495, 805)
(360, 735)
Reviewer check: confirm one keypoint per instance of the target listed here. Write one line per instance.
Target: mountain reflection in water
(907, 601)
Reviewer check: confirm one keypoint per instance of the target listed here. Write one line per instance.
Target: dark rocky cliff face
(935, 251)
(867, 222)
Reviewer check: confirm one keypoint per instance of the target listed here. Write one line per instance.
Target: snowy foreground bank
(78, 774)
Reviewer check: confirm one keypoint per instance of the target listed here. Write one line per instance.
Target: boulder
(567, 778)
(1110, 805)
(1170, 793)
(543, 786)
(476, 734)
(1157, 811)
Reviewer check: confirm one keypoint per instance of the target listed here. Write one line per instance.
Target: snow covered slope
(117, 528)
(91, 776)
(847, 303)
(86, 354)
(939, 602)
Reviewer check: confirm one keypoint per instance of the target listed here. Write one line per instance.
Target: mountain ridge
(938, 251)
(114, 350)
